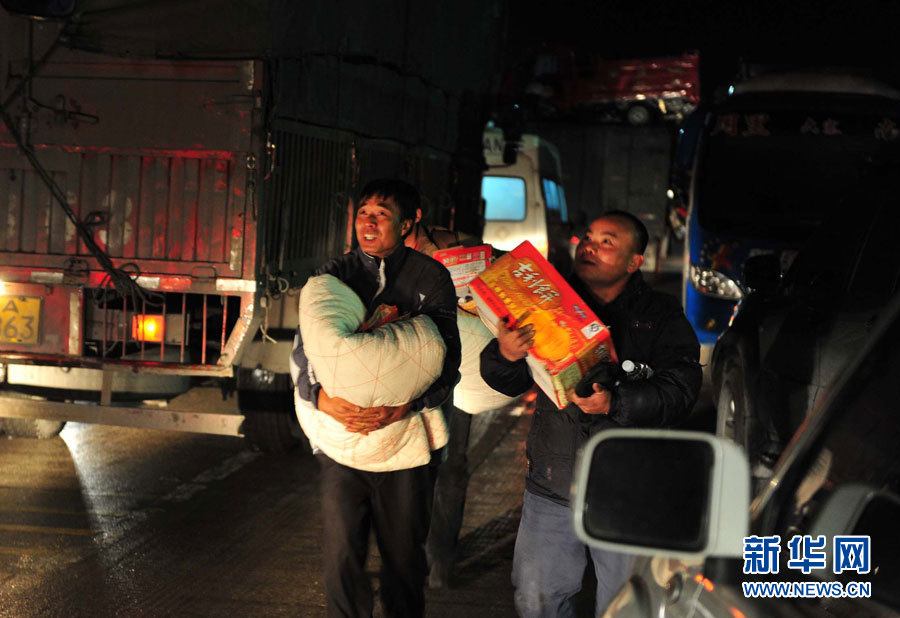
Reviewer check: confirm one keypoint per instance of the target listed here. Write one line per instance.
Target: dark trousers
(450, 493)
(398, 506)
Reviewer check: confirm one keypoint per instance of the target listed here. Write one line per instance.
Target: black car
(680, 501)
(791, 336)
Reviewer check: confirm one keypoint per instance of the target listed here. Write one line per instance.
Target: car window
(504, 198)
(858, 447)
(852, 251)
(875, 273)
(826, 263)
(555, 199)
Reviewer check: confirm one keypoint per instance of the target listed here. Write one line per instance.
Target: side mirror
(47, 9)
(659, 492)
(510, 153)
(762, 273)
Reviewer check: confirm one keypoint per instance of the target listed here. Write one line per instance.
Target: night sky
(848, 33)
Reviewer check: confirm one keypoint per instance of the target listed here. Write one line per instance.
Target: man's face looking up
(606, 254)
(379, 227)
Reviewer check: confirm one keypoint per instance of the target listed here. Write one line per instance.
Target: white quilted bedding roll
(390, 365)
(472, 394)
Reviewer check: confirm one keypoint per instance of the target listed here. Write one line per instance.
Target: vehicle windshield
(778, 171)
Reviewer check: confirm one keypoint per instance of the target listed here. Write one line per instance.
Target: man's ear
(637, 261)
(418, 215)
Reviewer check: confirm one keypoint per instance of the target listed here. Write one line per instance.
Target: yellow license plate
(20, 319)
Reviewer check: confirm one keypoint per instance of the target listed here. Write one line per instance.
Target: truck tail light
(147, 328)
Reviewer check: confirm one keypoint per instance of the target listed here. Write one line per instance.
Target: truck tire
(735, 422)
(271, 426)
(31, 427)
(638, 115)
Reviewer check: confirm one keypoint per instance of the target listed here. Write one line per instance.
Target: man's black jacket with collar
(417, 285)
(646, 326)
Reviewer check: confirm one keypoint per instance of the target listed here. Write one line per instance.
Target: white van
(524, 200)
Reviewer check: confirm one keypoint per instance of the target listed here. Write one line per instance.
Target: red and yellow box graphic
(521, 288)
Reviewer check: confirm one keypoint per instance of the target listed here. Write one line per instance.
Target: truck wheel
(269, 425)
(735, 422)
(31, 427)
(637, 115)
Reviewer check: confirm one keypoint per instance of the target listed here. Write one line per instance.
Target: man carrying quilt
(369, 400)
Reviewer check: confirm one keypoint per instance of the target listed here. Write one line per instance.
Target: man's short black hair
(404, 194)
(638, 229)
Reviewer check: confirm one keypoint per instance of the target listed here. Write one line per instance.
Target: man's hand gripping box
(523, 288)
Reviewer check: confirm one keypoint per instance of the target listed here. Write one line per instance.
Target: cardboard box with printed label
(464, 264)
(521, 288)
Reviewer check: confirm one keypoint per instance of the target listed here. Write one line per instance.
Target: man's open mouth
(370, 236)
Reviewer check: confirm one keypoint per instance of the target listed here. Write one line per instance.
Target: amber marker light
(704, 582)
(147, 328)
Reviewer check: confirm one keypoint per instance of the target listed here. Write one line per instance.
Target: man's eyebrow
(384, 205)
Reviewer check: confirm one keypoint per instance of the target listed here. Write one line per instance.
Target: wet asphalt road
(107, 521)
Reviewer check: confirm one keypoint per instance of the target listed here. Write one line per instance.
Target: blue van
(771, 161)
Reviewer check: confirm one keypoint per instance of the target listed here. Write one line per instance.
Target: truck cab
(524, 199)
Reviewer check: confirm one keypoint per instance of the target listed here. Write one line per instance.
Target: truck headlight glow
(713, 283)
(147, 328)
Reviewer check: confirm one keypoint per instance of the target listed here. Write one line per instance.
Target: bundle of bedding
(472, 394)
(389, 365)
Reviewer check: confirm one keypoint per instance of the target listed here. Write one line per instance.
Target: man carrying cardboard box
(646, 326)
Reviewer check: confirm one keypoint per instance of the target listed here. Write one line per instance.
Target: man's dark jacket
(417, 285)
(646, 326)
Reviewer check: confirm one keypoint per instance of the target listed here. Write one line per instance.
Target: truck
(556, 81)
(771, 161)
(171, 173)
